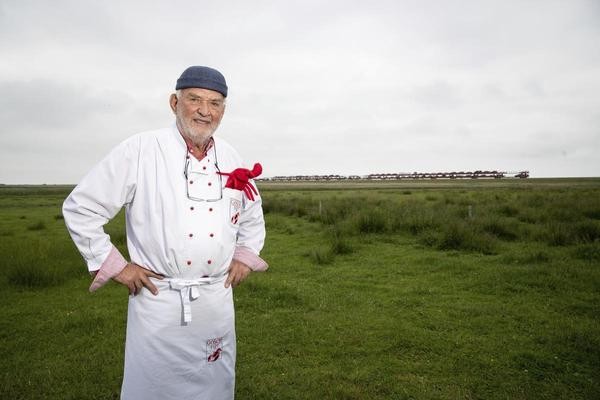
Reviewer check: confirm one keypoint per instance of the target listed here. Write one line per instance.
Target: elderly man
(194, 230)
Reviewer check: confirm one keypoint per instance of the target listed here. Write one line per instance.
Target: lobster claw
(239, 179)
(256, 170)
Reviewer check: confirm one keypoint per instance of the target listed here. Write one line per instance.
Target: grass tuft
(501, 229)
(340, 244)
(588, 252)
(557, 234)
(527, 257)
(321, 256)
(38, 226)
(40, 262)
(32, 276)
(371, 221)
(508, 211)
(587, 231)
(593, 214)
(459, 236)
(417, 220)
(272, 295)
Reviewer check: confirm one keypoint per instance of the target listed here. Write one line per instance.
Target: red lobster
(215, 355)
(239, 179)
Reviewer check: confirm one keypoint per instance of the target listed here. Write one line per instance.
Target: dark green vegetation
(470, 290)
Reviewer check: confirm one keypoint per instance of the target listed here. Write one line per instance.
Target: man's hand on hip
(135, 278)
(238, 271)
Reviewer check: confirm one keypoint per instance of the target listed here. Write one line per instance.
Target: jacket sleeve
(97, 199)
(251, 235)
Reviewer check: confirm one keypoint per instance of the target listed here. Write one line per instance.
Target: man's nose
(203, 108)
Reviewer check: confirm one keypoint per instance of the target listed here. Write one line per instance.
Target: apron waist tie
(188, 289)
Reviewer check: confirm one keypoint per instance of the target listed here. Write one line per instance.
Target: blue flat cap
(202, 77)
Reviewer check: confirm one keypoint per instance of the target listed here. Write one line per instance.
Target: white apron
(169, 358)
(180, 344)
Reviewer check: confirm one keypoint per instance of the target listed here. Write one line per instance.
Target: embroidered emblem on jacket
(235, 207)
(214, 347)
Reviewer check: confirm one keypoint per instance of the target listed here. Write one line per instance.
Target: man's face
(198, 113)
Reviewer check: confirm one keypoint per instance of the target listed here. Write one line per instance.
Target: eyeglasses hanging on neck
(203, 183)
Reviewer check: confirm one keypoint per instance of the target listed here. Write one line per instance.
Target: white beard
(198, 138)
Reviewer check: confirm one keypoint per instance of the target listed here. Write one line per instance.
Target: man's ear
(173, 102)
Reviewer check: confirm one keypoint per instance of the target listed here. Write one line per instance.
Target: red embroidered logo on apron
(215, 355)
(214, 347)
(234, 210)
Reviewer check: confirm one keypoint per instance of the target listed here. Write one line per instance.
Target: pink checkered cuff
(246, 256)
(110, 268)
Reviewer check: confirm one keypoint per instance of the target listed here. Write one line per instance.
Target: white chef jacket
(146, 174)
(172, 337)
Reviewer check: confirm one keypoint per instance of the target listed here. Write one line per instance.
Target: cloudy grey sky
(316, 87)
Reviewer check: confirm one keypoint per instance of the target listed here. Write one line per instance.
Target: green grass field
(389, 290)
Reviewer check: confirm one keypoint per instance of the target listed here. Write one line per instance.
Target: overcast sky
(315, 87)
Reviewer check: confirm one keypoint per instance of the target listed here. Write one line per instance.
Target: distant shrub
(38, 226)
(501, 229)
(419, 220)
(288, 205)
(399, 214)
(6, 232)
(22, 217)
(332, 211)
(371, 221)
(406, 192)
(59, 217)
(430, 197)
(459, 236)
